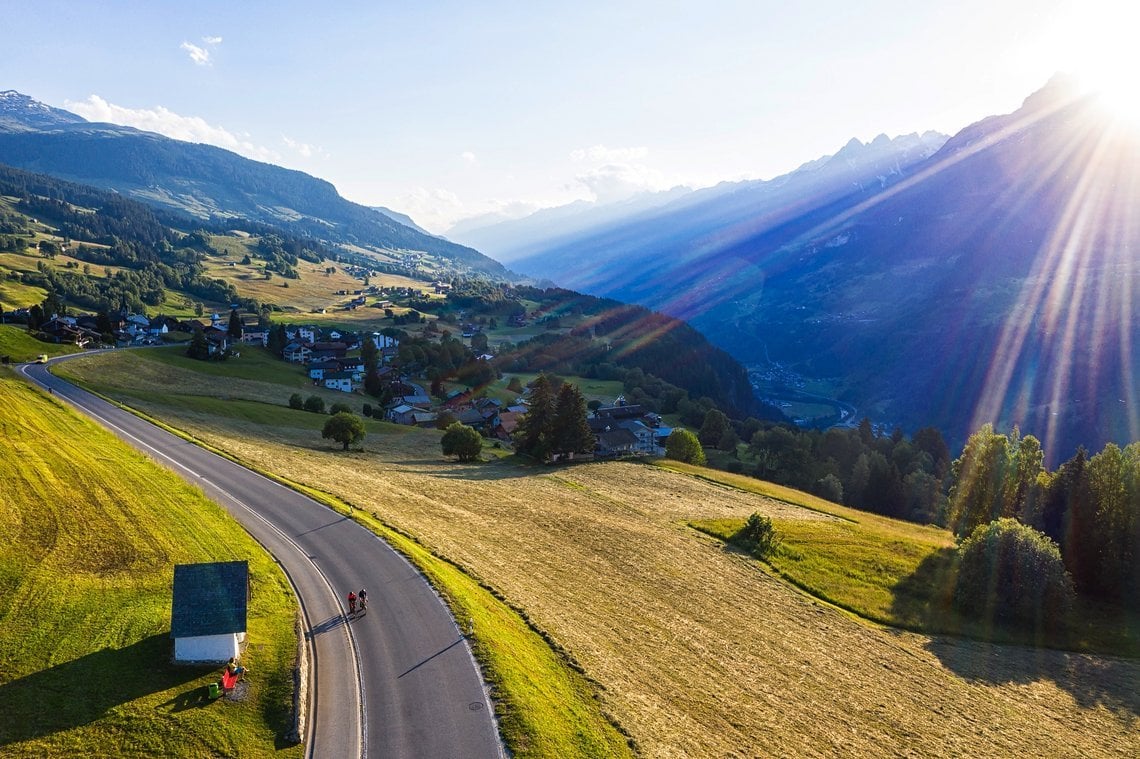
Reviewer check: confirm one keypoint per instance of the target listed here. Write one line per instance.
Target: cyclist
(351, 602)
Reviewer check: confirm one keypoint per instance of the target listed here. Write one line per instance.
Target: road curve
(396, 681)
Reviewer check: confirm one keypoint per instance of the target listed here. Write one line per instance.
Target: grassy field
(18, 345)
(697, 650)
(546, 708)
(92, 532)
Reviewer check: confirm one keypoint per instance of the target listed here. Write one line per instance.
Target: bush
(340, 407)
(830, 488)
(367, 410)
(296, 402)
(683, 445)
(758, 536)
(315, 403)
(462, 441)
(1010, 572)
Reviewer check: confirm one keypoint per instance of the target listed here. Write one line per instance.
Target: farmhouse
(208, 613)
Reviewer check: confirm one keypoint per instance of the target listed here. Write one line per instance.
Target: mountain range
(989, 280)
(204, 181)
(986, 277)
(533, 244)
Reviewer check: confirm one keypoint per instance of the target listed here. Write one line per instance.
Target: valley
(696, 649)
(914, 328)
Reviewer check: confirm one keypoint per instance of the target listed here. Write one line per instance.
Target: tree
(714, 426)
(683, 445)
(533, 434)
(345, 428)
(444, 420)
(198, 347)
(1106, 543)
(296, 402)
(830, 487)
(571, 432)
(462, 441)
(479, 342)
(339, 407)
(1010, 572)
(315, 403)
(235, 327)
(277, 339)
(977, 496)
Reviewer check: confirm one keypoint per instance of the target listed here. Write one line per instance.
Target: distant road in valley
(396, 681)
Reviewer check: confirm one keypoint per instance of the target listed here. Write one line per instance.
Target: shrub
(367, 410)
(829, 487)
(315, 403)
(758, 536)
(462, 441)
(683, 445)
(1013, 573)
(340, 407)
(296, 402)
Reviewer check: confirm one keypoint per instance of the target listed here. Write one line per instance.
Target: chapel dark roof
(209, 599)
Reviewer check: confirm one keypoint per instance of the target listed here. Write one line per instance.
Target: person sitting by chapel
(233, 668)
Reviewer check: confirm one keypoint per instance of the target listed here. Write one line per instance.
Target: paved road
(396, 681)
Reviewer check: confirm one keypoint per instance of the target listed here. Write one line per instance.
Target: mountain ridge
(204, 181)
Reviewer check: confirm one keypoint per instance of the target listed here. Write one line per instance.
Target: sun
(1096, 43)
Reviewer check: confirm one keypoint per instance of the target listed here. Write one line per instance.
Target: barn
(209, 610)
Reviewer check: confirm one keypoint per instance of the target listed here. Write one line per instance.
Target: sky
(446, 110)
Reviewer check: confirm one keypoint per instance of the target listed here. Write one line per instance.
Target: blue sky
(452, 109)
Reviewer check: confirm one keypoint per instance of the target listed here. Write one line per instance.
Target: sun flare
(1097, 45)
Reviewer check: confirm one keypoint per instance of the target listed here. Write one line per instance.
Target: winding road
(398, 680)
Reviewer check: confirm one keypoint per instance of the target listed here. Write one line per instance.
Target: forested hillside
(210, 184)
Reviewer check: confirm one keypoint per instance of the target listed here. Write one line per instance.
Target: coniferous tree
(198, 347)
(277, 340)
(571, 432)
(532, 436)
(235, 327)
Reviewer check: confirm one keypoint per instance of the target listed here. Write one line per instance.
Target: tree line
(1089, 506)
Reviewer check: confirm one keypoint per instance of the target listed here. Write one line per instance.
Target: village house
(403, 414)
(341, 381)
(325, 350)
(297, 353)
(317, 369)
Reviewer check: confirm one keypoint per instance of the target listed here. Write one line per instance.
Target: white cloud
(304, 149)
(437, 210)
(170, 124)
(602, 154)
(615, 182)
(469, 157)
(200, 55)
(433, 209)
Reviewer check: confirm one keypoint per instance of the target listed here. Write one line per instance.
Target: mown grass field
(92, 531)
(546, 708)
(697, 650)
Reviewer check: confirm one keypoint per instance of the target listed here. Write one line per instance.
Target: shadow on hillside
(82, 691)
(923, 600)
(477, 471)
(1091, 680)
(990, 653)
